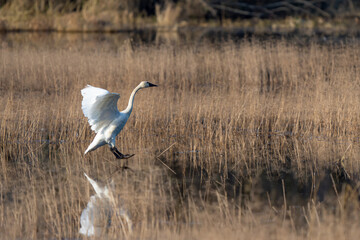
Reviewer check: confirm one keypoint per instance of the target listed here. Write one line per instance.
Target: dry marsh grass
(244, 127)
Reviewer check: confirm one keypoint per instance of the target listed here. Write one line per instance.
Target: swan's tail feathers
(96, 143)
(88, 150)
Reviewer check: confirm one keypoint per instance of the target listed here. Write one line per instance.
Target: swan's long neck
(130, 105)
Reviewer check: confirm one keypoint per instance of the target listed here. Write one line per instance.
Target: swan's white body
(97, 215)
(100, 107)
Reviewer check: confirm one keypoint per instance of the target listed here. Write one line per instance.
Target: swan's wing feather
(99, 106)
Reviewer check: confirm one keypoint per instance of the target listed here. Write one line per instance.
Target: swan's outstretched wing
(99, 106)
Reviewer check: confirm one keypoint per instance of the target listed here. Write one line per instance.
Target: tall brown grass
(225, 120)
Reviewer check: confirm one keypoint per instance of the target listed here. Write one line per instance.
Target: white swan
(100, 107)
(100, 210)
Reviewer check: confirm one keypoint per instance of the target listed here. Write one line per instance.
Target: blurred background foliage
(117, 15)
(193, 8)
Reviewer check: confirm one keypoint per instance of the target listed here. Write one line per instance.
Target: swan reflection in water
(103, 211)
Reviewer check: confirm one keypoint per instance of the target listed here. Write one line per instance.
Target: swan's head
(146, 84)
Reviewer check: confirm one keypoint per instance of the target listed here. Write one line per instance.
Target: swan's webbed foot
(119, 155)
(127, 156)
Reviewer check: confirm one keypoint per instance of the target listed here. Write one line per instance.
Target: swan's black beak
(152, 85)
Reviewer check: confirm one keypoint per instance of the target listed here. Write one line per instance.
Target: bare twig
(284, 196)
(166, 165)
(336, 192)
(312, 6)
(233, 10)
(157, 157)
(208, 7)
(244, 9)
(165, 150)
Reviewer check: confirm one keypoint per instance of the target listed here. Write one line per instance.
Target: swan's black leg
(116, 153)
(119, 155)
(124, 156)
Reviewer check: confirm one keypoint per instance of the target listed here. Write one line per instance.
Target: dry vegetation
(253, 16)
(263, 139)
